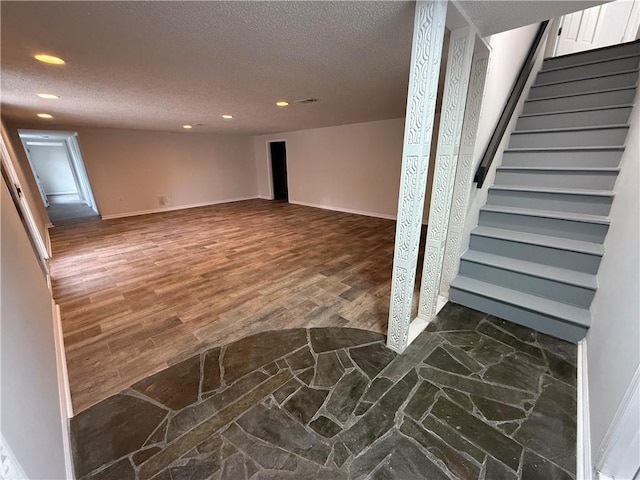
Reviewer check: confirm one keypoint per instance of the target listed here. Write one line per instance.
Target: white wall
(129, 169)
(353, 168)
(613, 341)
(51, 163)
(508, 52)
(32, 422)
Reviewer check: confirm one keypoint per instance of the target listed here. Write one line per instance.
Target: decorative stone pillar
(461, 46)
(464, 175)
(426, 52)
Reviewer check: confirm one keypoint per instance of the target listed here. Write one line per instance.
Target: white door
(598, 27)
(579, 31)
(43, 194)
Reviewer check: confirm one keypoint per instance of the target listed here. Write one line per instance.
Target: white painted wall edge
(178, 207)
(619, 454)
(345, 210)
(64, 389)
(584, 468)
(10, 468)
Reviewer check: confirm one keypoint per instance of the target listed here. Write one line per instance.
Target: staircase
(534, 256)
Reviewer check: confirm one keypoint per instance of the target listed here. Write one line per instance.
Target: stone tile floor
(474, 397)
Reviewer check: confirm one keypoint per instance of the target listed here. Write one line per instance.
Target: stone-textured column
(426, 52)
(464, 175)
(461, 45)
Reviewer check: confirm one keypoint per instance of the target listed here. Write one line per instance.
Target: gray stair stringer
(534, 256)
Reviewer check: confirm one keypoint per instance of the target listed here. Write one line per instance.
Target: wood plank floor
(141, 293)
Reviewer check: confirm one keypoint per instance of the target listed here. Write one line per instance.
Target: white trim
(584, 469)
(618, 455)
(344, 210)
(264, 197)
(418, 324)
(51, 194)
(463, 182)
(10, 468)
(47, 238)
(426, 53)
(177, 207)
(64, 390)
(24, 205)
(454, 102)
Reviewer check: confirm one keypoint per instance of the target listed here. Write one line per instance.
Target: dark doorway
(278, 152)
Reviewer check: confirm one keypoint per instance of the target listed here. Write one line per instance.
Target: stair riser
(558, 179)
(610, 137)
(592, 55)
(576, 102)
(541, 287)
(590, 118)
(540, 322)
(587, 71)
(585, 85)
(577, 261)
(554, 227)
(562, 159)
(589, 204)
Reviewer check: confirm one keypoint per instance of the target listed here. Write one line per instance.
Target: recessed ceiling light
(187, 127)
(227, 117)
(49, 96)
(41, 57)
(282, 103)
(45, 115)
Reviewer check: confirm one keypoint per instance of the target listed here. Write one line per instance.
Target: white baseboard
(10, 468)
(584, 467)
(264, 197)
(177, 207)
(64, 390)
(345, 210)
(619, 454)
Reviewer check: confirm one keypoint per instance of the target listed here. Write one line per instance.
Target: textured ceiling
(158, 65)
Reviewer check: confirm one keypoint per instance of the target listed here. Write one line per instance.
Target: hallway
(66, 209)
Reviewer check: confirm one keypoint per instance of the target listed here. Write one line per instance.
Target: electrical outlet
(164, 200)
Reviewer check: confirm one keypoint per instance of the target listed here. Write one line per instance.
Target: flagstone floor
(474, 397)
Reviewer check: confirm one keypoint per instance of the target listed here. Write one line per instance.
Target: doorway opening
(58, 169)
(278, 154)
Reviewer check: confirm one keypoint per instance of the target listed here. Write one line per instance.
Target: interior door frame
(70, 142)
(17, 190)
(270, 167)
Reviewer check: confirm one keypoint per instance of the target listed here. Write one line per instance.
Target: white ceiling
(157, 65)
